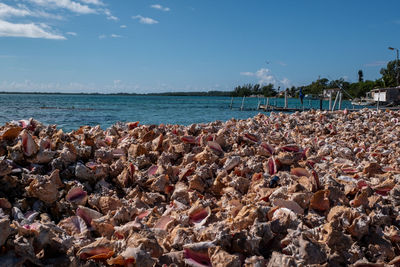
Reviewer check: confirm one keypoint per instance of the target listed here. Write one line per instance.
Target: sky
(142, 46)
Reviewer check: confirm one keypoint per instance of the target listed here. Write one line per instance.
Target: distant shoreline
(210, 93)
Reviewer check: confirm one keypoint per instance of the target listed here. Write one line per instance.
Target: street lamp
(397, 63)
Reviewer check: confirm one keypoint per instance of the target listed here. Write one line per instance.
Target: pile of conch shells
(311, 188)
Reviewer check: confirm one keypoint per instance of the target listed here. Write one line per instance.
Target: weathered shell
(77, 195)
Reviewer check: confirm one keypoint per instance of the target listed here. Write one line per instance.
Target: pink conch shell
(11, 133)
(144, 214)
(251, 137)
(349, 170)
(77, 195)
(272, 166)
(132, 125)
(188, 139)
(199, 215)
(289, 204)
(196, 254)
(268, 147)
(87, 214)
(74, 225)
(300, 172)
(290, 148)
(214, 146)
(152, 170)
(28, 144)
(98, 250)
(124, 230)
(163, 222)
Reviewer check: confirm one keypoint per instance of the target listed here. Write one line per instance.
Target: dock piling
(231, 103)
(330, 101)
(336, 99)
(340, 101)
(241, 108)
(286, 106)
(379, 98)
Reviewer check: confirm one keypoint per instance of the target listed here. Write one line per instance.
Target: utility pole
(397, 64)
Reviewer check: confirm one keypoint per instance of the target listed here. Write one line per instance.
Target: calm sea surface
(72, 111)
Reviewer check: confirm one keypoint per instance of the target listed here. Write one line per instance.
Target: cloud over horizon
(145, 20)
(264, 76)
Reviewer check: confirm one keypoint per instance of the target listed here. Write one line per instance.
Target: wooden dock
(267, 107)
(270, 108)
(281, 109)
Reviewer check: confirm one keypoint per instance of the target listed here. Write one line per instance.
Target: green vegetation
(316, 88)
(254, 89)
(357, 89)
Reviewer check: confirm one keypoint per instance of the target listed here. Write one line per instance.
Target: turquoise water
(71, 111)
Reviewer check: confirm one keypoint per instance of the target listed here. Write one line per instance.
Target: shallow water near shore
(72, 111)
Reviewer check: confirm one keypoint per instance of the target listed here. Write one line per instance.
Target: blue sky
(157, 46)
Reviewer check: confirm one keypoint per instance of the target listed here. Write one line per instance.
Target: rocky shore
(311, 188)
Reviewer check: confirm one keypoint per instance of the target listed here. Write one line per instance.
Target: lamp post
(397, 63)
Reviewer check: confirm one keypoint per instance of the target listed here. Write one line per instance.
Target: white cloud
(123, 26)
(93, 2)
(9, 11)
(20, 10)
(107, 12)
(264, 76)
(12, 24)
(30, 30)
(160, 7)
(66, 4)
(115, 36)
(145, 20)
(102, 36)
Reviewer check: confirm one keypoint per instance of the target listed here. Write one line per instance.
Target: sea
(69, 112)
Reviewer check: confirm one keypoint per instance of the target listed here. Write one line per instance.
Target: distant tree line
(254, 89)
(315, 88)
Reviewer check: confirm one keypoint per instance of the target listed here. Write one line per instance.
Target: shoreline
(302, 188)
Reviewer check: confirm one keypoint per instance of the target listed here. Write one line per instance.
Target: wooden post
(340, 100)
(285, 99)
(266, 106)
(231, 103)
(336, 99)
(241, 108)
(330, 101)
(320, 103)
(379, 98)
(258, 102)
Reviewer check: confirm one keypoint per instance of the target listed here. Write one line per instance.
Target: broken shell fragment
(87, 214)
(98, 250)
(300, 172)
(320, 201)
(74, 225)
(215, 147)
(77, 195)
